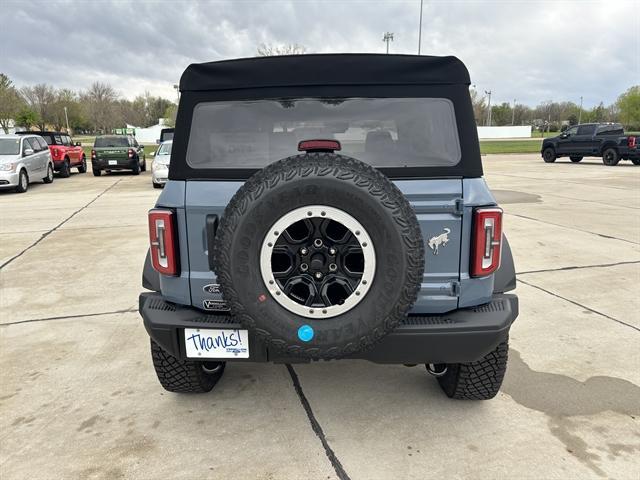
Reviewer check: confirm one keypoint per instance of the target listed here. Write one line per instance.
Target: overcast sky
(526, 50)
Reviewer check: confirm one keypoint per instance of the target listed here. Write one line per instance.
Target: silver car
(24, 159)
(160, 167)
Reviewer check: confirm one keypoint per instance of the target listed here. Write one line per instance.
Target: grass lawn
(509, 146)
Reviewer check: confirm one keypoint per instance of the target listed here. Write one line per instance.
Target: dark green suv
(117, 152)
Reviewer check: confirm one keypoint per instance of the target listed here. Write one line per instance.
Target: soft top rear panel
(332, 69)
(328, 76)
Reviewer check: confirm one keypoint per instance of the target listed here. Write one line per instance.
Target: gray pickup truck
(606, 140)
(324, 207)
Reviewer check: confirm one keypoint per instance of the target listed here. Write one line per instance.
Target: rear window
(384, 132)
(111, 142)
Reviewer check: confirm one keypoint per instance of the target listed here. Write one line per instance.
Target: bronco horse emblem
(439, 240)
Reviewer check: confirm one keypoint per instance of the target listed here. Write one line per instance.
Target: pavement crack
(66, 317)
(573, 228)
(50, 231)
(580, 305)
(579, 267)
(315, 426)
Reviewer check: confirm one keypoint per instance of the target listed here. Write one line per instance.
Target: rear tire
(157, 185)
(635, 161)
(49, 177)
(575, 159)
(65, 170)
(480, 380)
(549, 155)
(143, 168)
(83, 166)
(610, 157)
(184, 376)
(136, 168)
(23, 182)
(97, 172)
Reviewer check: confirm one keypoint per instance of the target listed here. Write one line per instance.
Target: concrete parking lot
(79, 397)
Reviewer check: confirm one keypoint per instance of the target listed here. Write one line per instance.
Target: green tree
(501, 114)
(629, 107)
(170, 115)
(26, 118)
(10, 102)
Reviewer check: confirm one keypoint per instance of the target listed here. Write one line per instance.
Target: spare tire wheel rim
(317, 261)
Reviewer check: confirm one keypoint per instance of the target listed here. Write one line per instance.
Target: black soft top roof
(45, 132)
(323, 70)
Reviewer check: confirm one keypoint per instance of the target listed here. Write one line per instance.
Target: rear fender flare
(150, 277)
(504, 279)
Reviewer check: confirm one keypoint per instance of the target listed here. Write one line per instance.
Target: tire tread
(479, 380)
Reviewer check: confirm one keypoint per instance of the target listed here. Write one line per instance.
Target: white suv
(24, 159)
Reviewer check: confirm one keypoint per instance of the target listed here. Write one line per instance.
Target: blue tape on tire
(305, 333)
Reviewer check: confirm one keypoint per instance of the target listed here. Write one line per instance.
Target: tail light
(93, 154)
(131, 153)
(631, 142)
(487, 241)
(164, 241)
(56, 152)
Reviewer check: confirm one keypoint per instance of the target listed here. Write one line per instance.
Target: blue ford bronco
(326, 207)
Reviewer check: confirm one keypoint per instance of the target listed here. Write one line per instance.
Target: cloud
(529, 51)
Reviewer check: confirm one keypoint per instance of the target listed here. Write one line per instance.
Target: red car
(65, 153)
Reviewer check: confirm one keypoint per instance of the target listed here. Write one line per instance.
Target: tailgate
(438, 206)
(112, 153)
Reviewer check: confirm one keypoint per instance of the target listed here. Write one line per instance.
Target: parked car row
(26, 157)
(65, 153)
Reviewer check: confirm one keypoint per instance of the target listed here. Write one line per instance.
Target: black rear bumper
(464, 335)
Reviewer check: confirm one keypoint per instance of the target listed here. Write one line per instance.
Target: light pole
(488, 92)
(580, 113)
(513, 113)
(66, 117)
(420, 28)
(388, 36)
(177, 87)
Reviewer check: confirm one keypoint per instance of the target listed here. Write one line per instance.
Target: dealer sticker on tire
(216, 343)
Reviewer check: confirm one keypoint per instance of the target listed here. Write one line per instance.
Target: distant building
(150, 134)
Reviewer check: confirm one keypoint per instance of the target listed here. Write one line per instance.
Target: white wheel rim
(322, 212)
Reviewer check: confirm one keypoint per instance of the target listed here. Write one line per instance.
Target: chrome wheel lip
(325, 212)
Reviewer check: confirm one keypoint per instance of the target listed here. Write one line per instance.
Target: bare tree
(41, 98)
(479, 106)
(270, 50)
(10, 102)
(100, 102)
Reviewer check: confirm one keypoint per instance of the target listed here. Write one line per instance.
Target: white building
(150, 135)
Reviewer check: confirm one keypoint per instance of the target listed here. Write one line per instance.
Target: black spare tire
(320, 255)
